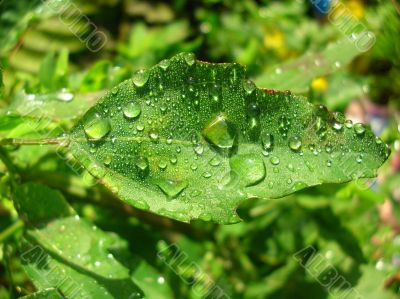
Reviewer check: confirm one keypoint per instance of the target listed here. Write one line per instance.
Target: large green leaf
(62, 251)
(189, 139)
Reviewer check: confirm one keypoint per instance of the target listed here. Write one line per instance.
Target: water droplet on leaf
(140, 78)
(95, 126)
(220, 133)
(359, 129)
(132, 110)
(249, 169)
(275, 160)
(295, 143)
(190, 58)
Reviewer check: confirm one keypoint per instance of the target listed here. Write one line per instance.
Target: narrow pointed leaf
(189, 139)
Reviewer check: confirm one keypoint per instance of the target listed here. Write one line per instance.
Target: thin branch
(11, 230)
(16, 141)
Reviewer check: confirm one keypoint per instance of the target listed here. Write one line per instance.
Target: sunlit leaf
(296, 75)
(189, 139)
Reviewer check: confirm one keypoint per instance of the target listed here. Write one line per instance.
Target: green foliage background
(353, 227)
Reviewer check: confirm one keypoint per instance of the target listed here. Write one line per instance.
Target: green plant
(134, 171)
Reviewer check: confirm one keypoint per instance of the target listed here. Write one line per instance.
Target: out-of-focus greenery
(353, 227)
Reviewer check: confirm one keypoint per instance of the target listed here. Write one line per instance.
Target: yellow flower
(353, 7)
(274, 39)
(319, 84)
(357, 8)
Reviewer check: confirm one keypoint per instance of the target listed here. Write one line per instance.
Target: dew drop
(95, 126)
(140, 78)
(359, 129)
(249, 86)
(348, 124)
(295, 143)
(132, 110)
(215, 161)
(207, 174)
(337, 125)
(275, 160)
(198, 149)
(107, 160)
(114, 90)
(173, 160)
(329, 163)
(162, 164)
(190, 58)
(221, 134)
(142, 163)
(153, 134)
(65, 96)
(249, 169)
(172, 188)
(267, 142)
(164, 64)
(329, 148)
(359, 158)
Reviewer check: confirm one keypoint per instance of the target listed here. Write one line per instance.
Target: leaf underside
(192, 140)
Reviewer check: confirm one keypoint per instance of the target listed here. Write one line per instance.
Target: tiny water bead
(190, 58)
(164, 64)
(107, 160)
(95, 126)
(275, 160)
(171, 188)
(140, 78)
(215, 161)
(153, 134)
(360, 158)
(207, 175)
(173, 160)
(132, 110)
(249, 169)
(295, 143)
(142, 163)
(198, 149)
(348, 124)
(337, 126)
(359, 129)
(267, 142)
(65, 96)
(163, 164)
(248, 86)
(220, 133)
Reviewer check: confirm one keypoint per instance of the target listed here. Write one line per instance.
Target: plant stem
(11, 230)
(16, 141)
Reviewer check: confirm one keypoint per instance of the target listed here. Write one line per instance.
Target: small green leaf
(296, 75)
(205, 139)
(52, 203)
(62, 251)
